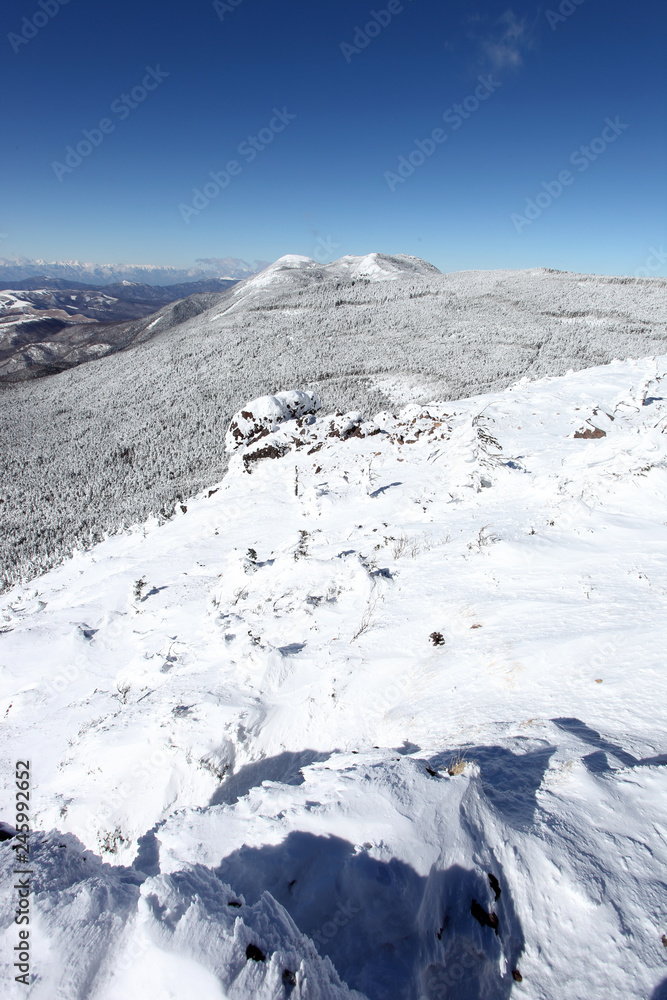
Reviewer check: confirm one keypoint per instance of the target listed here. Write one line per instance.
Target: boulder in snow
(262, 416)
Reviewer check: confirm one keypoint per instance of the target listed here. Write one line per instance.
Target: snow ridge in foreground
(380, 715)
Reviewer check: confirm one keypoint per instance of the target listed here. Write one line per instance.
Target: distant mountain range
(50, 324)
(17, 269)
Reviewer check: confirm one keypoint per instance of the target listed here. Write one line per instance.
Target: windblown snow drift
(378, 717)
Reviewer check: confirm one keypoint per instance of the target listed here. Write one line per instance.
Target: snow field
(245, 706)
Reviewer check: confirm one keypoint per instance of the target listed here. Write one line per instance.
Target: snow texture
(379, 717)
(124, 437)
(262, 416)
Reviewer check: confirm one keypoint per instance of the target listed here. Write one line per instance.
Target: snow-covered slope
(40, 336)
(125, 436)
(382, 711)
(372, 266)
(294, 272)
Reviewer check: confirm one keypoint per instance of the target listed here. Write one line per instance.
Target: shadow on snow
(391, 933)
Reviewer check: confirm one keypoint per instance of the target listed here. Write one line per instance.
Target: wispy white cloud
(503, 44)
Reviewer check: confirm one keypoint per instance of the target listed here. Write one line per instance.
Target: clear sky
(316, 118)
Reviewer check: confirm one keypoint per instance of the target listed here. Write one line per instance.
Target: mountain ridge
(123, 437)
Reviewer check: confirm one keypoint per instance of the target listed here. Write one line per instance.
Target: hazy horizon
(656, 260)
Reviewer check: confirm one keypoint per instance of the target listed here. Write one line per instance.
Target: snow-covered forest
(113, 441)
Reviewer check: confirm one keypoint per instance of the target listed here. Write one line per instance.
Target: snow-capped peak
(294, 269)
(380, 266)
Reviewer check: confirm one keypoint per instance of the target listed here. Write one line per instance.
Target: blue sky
(352, 108)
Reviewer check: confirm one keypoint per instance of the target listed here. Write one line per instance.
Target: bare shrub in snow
(368, 620)
(123, 689)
